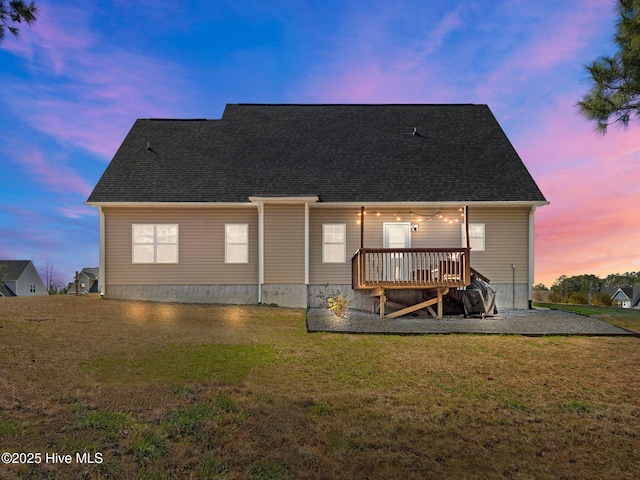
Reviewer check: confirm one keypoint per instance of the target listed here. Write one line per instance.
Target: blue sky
(75, 82)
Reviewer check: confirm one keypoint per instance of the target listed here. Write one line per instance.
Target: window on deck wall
(236, 244)
(155, 243)
(476, 236)
(334, 244)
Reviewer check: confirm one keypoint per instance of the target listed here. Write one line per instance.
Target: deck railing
(410, 268)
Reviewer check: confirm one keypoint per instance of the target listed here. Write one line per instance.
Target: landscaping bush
(578, 298)
(602, 300)
(555, 297)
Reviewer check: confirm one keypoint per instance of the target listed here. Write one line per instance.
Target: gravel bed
(510, 322)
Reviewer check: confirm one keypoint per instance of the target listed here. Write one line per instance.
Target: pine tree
(614, 97)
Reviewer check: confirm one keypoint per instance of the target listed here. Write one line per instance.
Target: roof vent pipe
(415, 130)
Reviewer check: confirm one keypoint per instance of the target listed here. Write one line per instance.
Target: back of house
(287, 203)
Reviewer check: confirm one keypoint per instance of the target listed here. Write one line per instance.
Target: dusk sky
(75, 82)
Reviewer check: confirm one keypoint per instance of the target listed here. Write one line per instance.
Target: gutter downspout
(531, 253)
(306, 245)
(260, 249)
(102, 275)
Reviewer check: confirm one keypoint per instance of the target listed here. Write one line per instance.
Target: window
(32, 288)
(334, 245)
(155, 243)
(476, 236)
(236, 244)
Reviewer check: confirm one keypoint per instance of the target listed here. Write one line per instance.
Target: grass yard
(159, 391)
(628, 318)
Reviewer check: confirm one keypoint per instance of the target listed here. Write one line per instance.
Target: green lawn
(159, 391)
(628, 318)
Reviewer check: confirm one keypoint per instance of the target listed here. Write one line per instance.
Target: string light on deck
(450, 218)
(440, 216)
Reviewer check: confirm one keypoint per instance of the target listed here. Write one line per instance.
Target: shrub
(334, 301)
(555, 297)
(602, 300)
(578, 298)
(338, 305)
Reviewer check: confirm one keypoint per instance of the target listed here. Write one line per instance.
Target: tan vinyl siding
(333, 273)
(506, 243)
(284, 244)
(434, 233)
(200, 244)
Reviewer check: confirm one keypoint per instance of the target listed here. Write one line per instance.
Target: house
(625, 297)
(87, 281)
(283, 203)
(19, 278)
(622, 297)
(635, 302)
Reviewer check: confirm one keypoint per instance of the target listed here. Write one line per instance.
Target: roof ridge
(177, 119)
(357, 104)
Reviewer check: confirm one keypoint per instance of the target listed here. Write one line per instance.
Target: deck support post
(418, 306)
(379, 292)
(441, 293)
(362, 226)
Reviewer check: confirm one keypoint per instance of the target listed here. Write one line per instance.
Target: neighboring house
(622, 296)
(265, 206)
(87, 281)
(635, 302)
(19, 278)
(625, 297)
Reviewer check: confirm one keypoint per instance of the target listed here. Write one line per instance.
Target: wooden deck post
(362, 226)
(466, 223)
(379, 292)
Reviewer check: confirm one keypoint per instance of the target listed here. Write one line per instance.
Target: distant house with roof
(87, 281)
(622, 297)
(19, 278)
(635, 301)
(280, 203)
(625, 297)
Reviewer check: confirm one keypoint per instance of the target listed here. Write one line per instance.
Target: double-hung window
(155, 243)
(236, 243)
(334, 244)
(476, 236)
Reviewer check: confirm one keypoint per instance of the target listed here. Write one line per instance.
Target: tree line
(588, 289)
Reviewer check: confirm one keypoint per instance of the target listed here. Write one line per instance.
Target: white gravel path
(511, 322)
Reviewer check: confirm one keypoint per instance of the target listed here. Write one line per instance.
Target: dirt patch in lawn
(196, 391)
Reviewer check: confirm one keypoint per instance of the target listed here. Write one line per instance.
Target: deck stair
(424, 301)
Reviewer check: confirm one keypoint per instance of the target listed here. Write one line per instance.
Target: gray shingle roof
(10, 270)
(341, 153)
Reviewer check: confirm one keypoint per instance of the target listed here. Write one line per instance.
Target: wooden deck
(377, 269)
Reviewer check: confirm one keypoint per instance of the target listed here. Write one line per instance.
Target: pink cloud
(593, 183)
(89, 92)
(77, 211)
(554, 42)
(435, 39)
(55, 177)
(374, 67)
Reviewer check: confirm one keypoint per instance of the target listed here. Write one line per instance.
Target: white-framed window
(154, 243)
(334, 243)
(476, 236)
(236, 243)
(32, 288)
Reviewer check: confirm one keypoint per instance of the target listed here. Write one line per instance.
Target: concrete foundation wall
(292, 295)
(238, 294)
(360, 299)
(504, 296)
